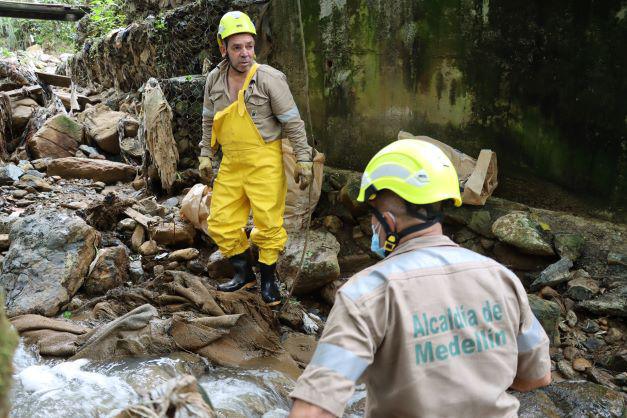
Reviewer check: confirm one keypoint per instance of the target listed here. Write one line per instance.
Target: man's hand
(206, 169)
(303, 175)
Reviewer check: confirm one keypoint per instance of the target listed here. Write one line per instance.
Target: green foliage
(67, 314)
(160, 24)
(105, 15)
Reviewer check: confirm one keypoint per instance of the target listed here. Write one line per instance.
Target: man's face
(241, 51)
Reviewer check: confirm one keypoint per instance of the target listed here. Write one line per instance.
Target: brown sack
(477, 178)
(195, 206)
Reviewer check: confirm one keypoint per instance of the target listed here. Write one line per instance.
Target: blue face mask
(375, 247)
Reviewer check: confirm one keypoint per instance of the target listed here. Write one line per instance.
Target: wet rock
(21, 112)
(196, 266)
(148, 248)
(582, 286)
(110, 271)
(613, 336)
(581, 364)
(613, 303)
(59, 137)
(616, 259)
(98, 170)
(320, 264)
(571, 318)
(481, 222)
(332, 223)
(593, 343)
(510, 257)
(571, 399)
(218, 266)
(136, 269)
(127, 224)
(300, 346)
(548, 314)
(10, 173)
(520, 231)
(185, 254)
(566, 370)
(137, 239)
(5, 242)
(554, 274)
(101, 125)
(177, 232)
(569, 245)
(348, 197)
(601, 377)
(47, 262)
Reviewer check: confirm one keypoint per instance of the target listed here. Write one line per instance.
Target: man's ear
(223, 50)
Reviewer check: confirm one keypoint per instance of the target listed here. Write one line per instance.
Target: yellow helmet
(235, 22)
(417, 171)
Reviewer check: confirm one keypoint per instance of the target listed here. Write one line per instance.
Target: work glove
(303, 175)
(206, 169)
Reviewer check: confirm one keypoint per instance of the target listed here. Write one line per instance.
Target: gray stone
(6, 221)
(554, 274)
(59, 137)
(571, 399)
(569, 245)
(594, 343)
(617, 259)
(613, 303)
(136, 269)
(127, 224)
(101, 124)
(25, 165)
(566, 369)
(35, 173)
(320, 265)
(171, 203)
(590, 326)
(519, 230)
(5, 242)
(548, 314)
(47, 262)
(481, 222)
(9, 174)
(582, 286)
(98, 170)
(88, 150)
(109, 271)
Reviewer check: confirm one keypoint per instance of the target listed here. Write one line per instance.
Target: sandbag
(195, 206)
(298, 204)
(477, 178)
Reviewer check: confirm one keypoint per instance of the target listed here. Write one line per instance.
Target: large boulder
(97, 170)
(101, 125)
(612, 303)
(47, 262)
(10, 173)
(8, 342)
(21, 112)
(59, 137)
(519, 230)
(110, 270)
(320, 265)
(548, 314)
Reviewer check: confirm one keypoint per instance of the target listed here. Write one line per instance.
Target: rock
(59, 137)
(98, 185)
(548, 314)
(554, 274)
(31, 182)
(173, 265)
(590, 327)
(5, 242)
(292, 314)
(519, 230)
(481, 222)
(601, 377)
(25, 165)
(510, 257)
(621, 379)
(320, 264)
(351, 264)
(18, 194)
(570, 352)
(348, 197)
(148, 248)
(300, 346)
(150, 207)
(127, 224)
(332, 223)
(47, 262)
(158, 270)
(21, 112)
(616, 259)
(101, 125)
(138, 183)
(10, 173)
(581, 286)
(613, 336)
(618, 361)
(567, 371)
(110, 271)
(218, 266)
(171, 203)
(612, 303)
(569, 245)
(571, 318)
(581, 364)
(185, 254)
(7, 221)
(137, 239)
(329, 291)
(594, 343)
(179, 232)
(132, 147)
(136, 270)
(571, 399)
(98, 170)
(196, 267)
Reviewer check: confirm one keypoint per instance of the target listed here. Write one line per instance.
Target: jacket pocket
(258, 106)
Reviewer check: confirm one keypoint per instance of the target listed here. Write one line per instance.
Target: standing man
(437, 330)
(247, 108)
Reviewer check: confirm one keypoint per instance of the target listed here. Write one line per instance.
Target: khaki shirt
(269, 103)
(435, 329)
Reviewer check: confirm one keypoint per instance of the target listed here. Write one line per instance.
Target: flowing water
(81, 388)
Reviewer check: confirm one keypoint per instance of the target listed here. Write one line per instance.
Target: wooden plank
(24, 92)
(54, 79)
(42, 11)
(142, 219)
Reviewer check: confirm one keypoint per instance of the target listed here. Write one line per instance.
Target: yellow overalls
(251, 176)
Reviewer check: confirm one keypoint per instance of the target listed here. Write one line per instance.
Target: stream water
(55, 388)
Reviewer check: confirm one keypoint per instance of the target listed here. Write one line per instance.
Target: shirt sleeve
(534, 361)
(286, 111)
(207, 119)
(345, 350)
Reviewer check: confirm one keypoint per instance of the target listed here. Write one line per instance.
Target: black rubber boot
(269, 288)
(244, 276)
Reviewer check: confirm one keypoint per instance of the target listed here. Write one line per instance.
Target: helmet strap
(392, 238)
